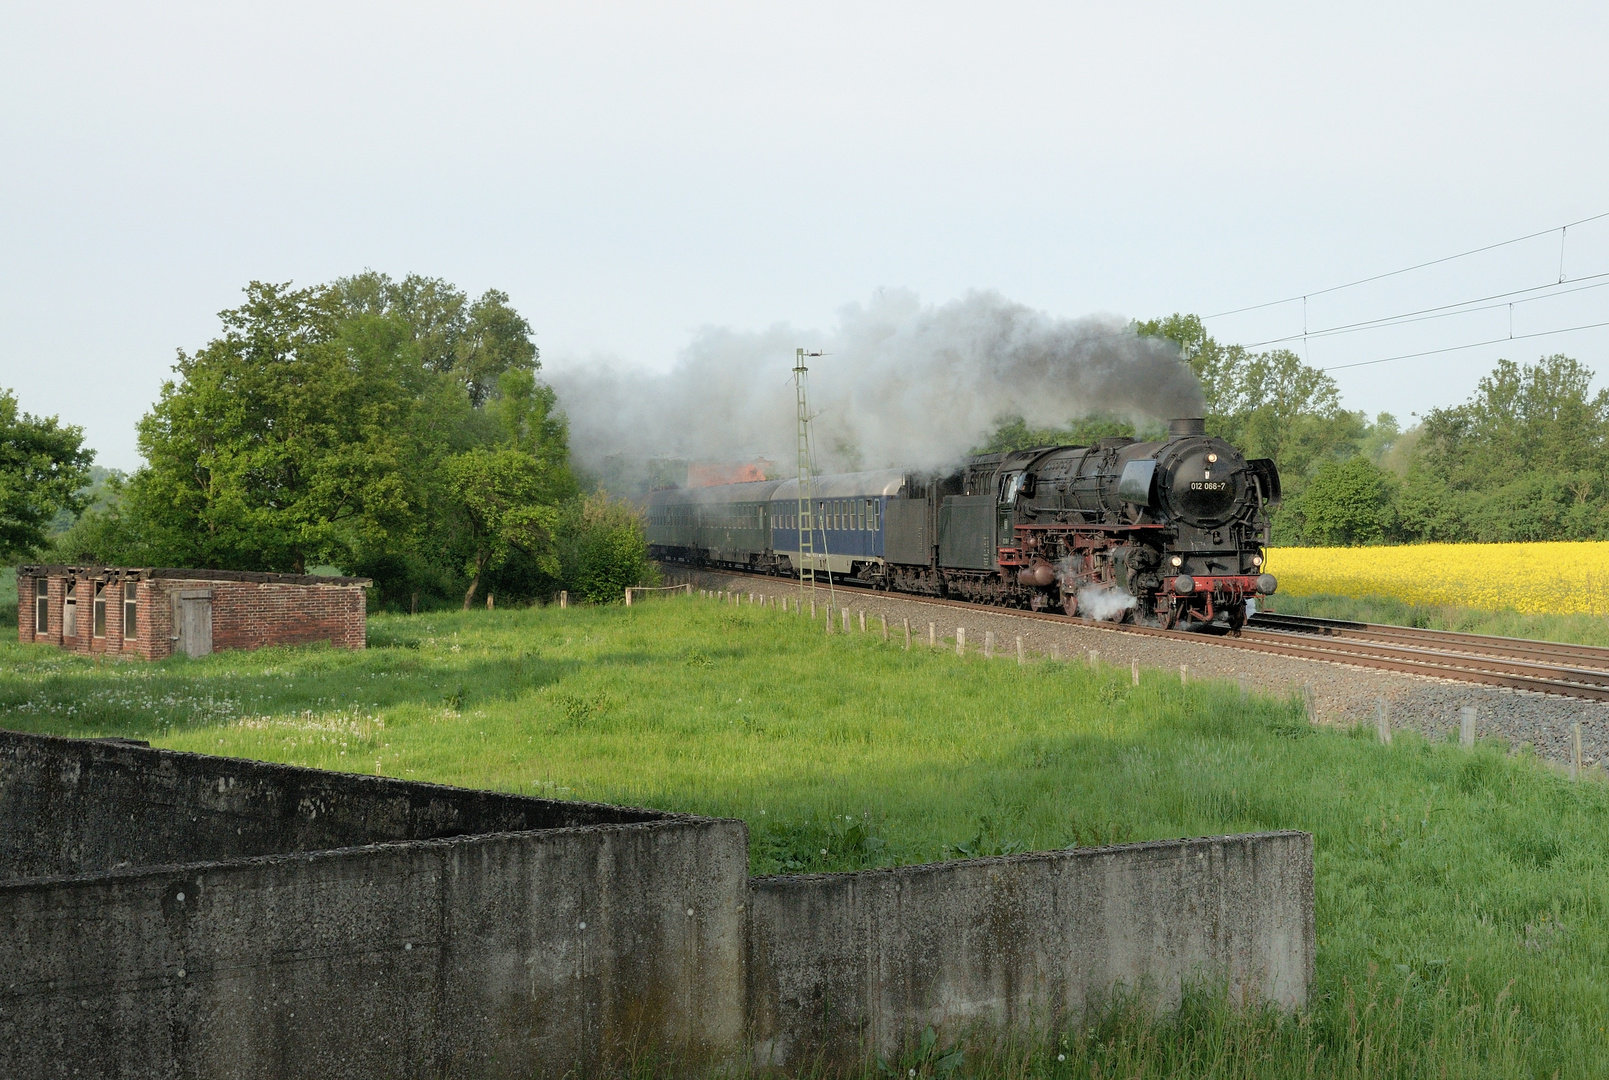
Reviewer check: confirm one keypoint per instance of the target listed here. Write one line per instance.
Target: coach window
(99, 625)
(69, 611)
(871, 515)
(129, 609)
(41, 605)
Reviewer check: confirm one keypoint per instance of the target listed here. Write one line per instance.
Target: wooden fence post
(988, 644)
(907, 634)
(564, 598)
(1021, 659)
(1134, 672)
(960, 640)
(1382, 720)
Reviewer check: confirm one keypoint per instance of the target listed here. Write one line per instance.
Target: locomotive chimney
(1189, 425)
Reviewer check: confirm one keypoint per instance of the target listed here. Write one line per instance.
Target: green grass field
(1461, 894)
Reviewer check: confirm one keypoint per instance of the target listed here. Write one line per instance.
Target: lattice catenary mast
(807, 493)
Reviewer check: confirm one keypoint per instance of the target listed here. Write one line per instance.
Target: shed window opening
(129, 609)
(41, 606)
(69, 611)
(99, 628)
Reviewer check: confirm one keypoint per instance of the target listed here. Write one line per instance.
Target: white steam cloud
(902, 384)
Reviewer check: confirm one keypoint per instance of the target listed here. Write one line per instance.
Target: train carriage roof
(845, 486)
(715, 495)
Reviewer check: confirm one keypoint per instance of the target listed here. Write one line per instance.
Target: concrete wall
(846, 965)
(77, 806)
(520, 953)
(166, 914)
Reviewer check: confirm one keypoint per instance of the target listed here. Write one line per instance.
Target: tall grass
(1460, 894)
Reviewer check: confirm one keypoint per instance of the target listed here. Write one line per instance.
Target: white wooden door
(195, 622)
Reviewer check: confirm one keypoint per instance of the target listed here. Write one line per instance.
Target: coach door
(192, 621)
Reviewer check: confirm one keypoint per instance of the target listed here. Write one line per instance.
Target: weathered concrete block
(74, 806)
(167, 914)
(843, 966)
(538, 951)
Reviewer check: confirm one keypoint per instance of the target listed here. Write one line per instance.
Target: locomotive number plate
(1208, 485)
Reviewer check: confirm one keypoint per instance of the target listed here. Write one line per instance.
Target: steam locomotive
(1167, 533)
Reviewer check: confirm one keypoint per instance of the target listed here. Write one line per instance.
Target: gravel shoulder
(1342, 695)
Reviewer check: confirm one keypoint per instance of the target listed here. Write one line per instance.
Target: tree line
(394, 430)
(397, 430)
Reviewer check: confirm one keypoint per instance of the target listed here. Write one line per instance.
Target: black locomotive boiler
(1169, 532)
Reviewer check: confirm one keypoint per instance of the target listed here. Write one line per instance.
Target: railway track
(1576, 671)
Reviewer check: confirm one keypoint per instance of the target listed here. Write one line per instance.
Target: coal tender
(1167, 533)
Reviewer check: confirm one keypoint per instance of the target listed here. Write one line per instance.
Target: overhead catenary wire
(1441, 311)
(1471, 345)
(1562, 230)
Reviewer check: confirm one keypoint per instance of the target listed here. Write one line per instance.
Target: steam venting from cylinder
(901, 384)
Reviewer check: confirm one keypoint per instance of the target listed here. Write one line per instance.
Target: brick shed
(153, 613)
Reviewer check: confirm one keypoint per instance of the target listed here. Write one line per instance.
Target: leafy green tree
(502, 500)
(1524, 459)
(1348, 502)
(280, 444)
(474, 342)
(43, 466)
(608, 549)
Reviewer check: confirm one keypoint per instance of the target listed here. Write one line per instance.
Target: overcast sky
(629, 174)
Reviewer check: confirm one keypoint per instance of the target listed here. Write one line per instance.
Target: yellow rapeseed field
(1538, 579)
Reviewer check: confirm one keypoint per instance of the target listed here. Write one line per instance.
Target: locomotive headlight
(1257, 560)
(1212, 457)
(1176, 561)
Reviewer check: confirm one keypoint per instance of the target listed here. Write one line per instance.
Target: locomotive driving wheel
(1170, 618)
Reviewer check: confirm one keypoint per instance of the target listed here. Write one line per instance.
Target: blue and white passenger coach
(755, 526)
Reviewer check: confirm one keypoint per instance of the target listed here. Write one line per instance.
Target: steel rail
(1432, 663)
(1448, 640)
